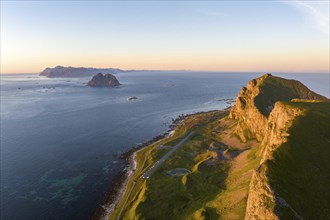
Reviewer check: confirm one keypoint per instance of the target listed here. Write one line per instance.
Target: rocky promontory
(100, 80)
(290, 122)
(255, 102)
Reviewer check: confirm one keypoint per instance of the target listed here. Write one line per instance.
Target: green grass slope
(178, 197)
(300, 170)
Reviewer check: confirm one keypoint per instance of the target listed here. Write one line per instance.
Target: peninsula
(266, 158)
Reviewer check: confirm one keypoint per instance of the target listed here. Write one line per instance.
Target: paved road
(147, 174)
(129, 193)
(153, 168)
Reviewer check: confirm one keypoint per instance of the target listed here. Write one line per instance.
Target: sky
(244, 36)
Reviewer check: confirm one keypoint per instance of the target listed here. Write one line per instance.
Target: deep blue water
(60, 139)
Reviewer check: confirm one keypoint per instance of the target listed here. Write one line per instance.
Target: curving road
(147, 174)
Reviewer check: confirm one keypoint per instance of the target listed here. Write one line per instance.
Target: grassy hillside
(175, 196)
(300, 170)
(216, 186)
(274, 89)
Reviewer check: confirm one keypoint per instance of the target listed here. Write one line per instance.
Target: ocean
(61, 140)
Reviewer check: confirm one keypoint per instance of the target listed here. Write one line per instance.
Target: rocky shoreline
(118, 184)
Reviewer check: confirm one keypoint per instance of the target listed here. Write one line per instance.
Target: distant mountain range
(61, 71)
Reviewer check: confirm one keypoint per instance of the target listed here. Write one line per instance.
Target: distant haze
(263, 36)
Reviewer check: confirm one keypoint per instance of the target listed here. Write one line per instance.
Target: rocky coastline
(117, 186)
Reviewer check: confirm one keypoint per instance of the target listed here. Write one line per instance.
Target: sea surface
(61, 140)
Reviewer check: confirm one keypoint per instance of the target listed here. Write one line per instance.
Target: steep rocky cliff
(292, 125)
(279, 120)
(262, 198)
(255, 102)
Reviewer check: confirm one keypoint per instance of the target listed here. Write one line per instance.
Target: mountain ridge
(271, 118)
(255, 102)
(61, 71)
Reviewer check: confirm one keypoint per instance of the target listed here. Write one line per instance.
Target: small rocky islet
(131, 98)
(103, 80)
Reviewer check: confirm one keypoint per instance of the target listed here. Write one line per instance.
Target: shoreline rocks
(131, 98)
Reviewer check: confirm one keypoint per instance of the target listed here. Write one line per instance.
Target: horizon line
(183, 70)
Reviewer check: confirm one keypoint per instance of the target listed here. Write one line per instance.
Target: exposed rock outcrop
(279, 120)
(131, 98)
(255, 102)
(100, 80)
(263, 112)
(262, 198)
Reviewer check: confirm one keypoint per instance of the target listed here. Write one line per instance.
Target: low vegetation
(214, 189)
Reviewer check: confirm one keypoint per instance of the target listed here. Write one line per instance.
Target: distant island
(106, 80)
(61, 71)
(265, 158)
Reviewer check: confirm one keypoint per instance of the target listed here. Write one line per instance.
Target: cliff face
(255, 102)
(277, 112)
(251, 122)
(262, 198)
(280, 119)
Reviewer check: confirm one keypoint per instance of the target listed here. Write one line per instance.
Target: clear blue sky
(225, 36)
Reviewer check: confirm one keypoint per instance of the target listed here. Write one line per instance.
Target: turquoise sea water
(60, 140)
